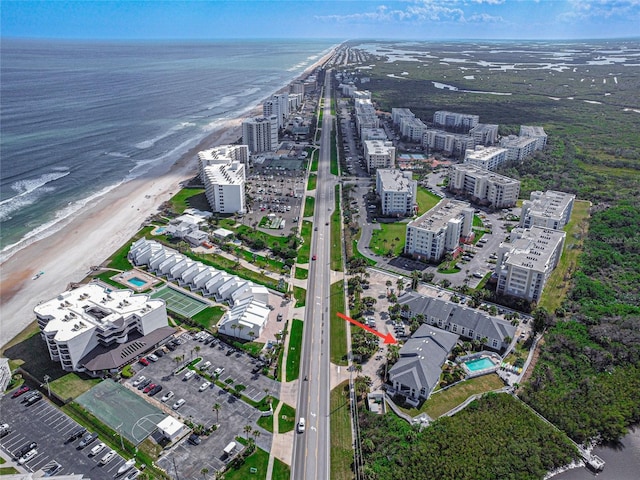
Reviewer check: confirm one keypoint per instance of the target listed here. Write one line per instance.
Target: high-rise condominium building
(483, 186)
(550, 209)
(397, 191)
(260, 134)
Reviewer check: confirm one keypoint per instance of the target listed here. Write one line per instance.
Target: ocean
(80, 118)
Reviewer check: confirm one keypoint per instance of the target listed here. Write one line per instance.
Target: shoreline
(100, 228)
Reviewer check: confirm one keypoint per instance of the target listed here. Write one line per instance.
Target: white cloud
(584, 9)
(485, 18)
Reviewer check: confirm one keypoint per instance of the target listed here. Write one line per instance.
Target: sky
(327, 19)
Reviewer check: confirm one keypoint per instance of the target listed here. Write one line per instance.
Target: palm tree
(415, 279)
(400, 285)
(256, 433)
(358, 368)
(197, 348)
(234, 327)
(204, 472)
(388, 283)
(247, 429)
(241, 327)
(178, 359)
(216, 408)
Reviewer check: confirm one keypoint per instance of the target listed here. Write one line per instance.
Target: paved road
(311, 448)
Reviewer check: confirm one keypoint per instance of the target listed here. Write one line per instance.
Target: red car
(144, 361)
(313, 258)
(20, 391)
(149, 387)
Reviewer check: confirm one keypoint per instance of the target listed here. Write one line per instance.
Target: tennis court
(178, 302)
(122, 410)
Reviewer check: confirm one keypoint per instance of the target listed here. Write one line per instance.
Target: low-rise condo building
(459, 122)
(397, 191)
(488, 158)
(94, 329)
(483, 186)
(397, 114)
(518, 148)
(374, 134)
(439, 231)
(525, 264)
(550, 209)
(535, 132)
(449, 143)
(484, 133)
(412, 128)
(246, 319)
(379, 154)
(224, 187)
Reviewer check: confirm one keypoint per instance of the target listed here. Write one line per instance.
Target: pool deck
(125, 277)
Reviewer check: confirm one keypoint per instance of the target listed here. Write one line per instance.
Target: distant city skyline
(329, 19)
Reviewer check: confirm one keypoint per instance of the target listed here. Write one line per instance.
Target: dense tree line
(495, 437)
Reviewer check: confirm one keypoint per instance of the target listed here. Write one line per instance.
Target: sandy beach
(91, 237)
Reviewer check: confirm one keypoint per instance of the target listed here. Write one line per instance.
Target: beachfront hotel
(93, 329)
(439, 230)
(224, 187)
(379, 154)
(550, 209)
(260, 134)
(488, 158)
(397, 192)
(483, 186)
(525, 263)
(220, 155)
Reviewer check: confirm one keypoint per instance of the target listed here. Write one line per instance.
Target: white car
(167, 396)
(218, 371)
(188, 375)
(178, 404)
(204, 386)
(301, 425)
(27, 456)
(108, 457)
(139, 380)
(152, 357)
(205, 365)
(97, 449)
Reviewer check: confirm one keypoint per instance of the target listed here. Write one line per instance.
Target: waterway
(622, 461)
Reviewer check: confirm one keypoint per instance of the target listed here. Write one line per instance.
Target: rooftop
(532, 248)
(439, 216)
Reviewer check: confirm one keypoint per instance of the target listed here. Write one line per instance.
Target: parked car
(194, 439)
(97, 449)
(27, 447)
(110, 455)
(313, 258)
(149, 387)
(159, 353)
(178, 404)
(204, 386)
(219, 371)
(28, 396)
(205, 365)
(76, 434)
(20, 391)
(139, 380)
(33, 399)
(5, 429)
(132, 475)
(188, 375)
(87, 440)
(27, 456)
(152, 357)
(144, 384)
(167, 396)
(155, 390)
(144, 361)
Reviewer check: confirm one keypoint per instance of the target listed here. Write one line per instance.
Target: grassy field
(341, 450)
(259, 261)
(334, 153)
(426, 200)
(258, 460)
(558, 284)
(314, 160)
(391, 236)
(336, 234)
(309, 206)
(118, 260)
(189, 198)
(281, 470)
(209, 317)
(295, 350)
(300, 294)
(440, 403)
(304, 252)
(286, 419)
(313, 180)
(301, 273)
(267, 422)
(357, 254)
(337, 325)
(71, 385)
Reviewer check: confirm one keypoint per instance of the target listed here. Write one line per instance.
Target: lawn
(209, 316)
(269, 240)
(334, 153)
(309, 206)
(300, 294)
(286, 419)
(259, 261)
(391, 236)
(557, 286)
(441, 402)
(71, 385)
(189, 198)
(341, 450)
(336, 234)
(281, 470)
(313, 180)
(477, 221)
(426, 200)
(118, 260)
(301, 273)
(304, 252)
(258, 460)
(338, 326)
(267, 422)
(295, 350)
(357, 254)
(314, 160)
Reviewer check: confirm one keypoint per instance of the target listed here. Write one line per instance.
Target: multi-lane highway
(311, 447)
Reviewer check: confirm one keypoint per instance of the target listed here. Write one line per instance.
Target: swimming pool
(138, 282)
(160, 230)
(479, 364)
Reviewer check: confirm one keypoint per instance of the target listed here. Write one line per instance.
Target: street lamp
(46, 382)
(119, 427)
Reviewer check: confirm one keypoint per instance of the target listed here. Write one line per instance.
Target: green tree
(216, 408)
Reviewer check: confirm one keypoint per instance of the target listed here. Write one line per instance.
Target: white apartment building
(362, 95)
(397, 114)
(297, 87)
(438, 231)
(455, 121)
(224, 187)
(379, 154)
(246, 319)
(260, 134)
(412, 128)
(550, 209)
(397, 191)
(488, 158)
(535, 132)
(525, 264)
(374, 134)
(518, 148)
(278, 106)
(484, 134)
(220, 155)
(450, 143)
(365, 115)
(86, 329)
(483, 186)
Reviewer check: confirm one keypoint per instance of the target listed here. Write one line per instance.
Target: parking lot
(49, 427)
(233, 415)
